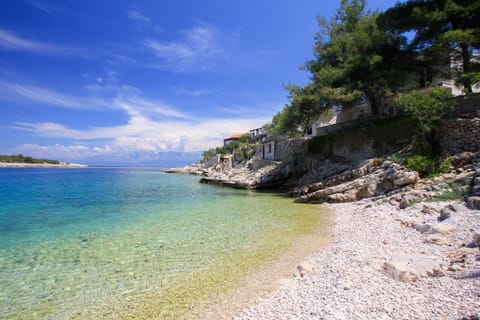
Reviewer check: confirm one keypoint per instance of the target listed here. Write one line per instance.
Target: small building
(233, 138)
(442, 74)
(268, 150)
(343, 116)
(258, 133)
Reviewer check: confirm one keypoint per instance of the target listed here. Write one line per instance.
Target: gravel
(347, 282)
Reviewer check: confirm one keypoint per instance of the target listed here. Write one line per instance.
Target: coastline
(283, 270)
(41, 165)
(350, 278)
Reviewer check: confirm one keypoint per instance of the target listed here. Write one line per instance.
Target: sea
(133, 243)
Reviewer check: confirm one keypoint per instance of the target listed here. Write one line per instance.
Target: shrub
(422, 164)
(445, 165)
(428, 108)
(428, 165)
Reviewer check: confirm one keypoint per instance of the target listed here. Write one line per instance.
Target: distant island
(21, 161)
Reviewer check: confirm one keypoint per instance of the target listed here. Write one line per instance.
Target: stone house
(268, 149)
(233, 138)
(320, 127)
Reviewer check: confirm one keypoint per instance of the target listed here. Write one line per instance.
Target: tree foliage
(304, 109)
(241, 146)
(428, 108)
(20, 158)
(450, 26)
(355, 59)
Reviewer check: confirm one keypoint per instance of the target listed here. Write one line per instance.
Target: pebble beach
(386, 263)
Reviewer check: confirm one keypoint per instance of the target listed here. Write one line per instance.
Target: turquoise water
(121, 243)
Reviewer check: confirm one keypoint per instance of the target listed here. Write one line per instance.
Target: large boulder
(408, 268)
(390, 176)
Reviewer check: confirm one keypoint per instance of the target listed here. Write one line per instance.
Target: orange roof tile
(235, 136)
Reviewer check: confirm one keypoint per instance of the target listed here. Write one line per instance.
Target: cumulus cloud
(61, 152)
(106, 155)
(142, 133)
(150, 126)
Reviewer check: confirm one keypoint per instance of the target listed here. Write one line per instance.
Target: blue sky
(123, 81)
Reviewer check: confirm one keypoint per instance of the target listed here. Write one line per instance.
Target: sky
(129, 82)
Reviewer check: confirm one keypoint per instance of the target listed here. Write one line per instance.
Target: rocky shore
(387, 263)
(403, 248)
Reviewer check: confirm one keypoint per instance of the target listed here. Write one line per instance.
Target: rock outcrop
(370, 180)
(473, 201)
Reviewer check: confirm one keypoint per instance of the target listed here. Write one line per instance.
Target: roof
(235, 136)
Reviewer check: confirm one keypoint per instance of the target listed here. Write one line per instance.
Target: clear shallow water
(122, 243)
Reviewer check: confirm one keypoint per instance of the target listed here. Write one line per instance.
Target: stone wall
(459, 135)
(291, 146)
(467, 106)
(364, 141)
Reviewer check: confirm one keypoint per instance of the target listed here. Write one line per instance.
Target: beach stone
(476, 239)
(459, 256)
(429, 210)
(444, 228)
(476, 190)
(302, 269)
(424, 227)
(409, 268)
(408, 200)
(457, 207)
(445, 213)
(474, 202)
(438, 240)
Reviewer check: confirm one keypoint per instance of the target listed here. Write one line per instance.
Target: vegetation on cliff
(25, 159)
(364, 56)
(243, 146)
(428, 109)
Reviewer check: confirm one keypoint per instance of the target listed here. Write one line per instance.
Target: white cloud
(151, 126)
(11, 41)
(144, 134)
(193, 93)
(61, 152)
(125, 98)
(106, 155)
(197, 45)
(135, 106)
(136, 15)
(40, 6)
(46, 96)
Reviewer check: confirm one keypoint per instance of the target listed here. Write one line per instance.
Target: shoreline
(41, 165)
(272, 276)
(350, 278)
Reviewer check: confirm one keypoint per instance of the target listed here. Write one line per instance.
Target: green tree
(450, 26)
(355, 59)
(428, 108)
(306, 106)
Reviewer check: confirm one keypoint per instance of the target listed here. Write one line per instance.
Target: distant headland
(21, 161)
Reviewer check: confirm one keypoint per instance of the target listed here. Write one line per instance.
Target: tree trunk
(374, 103)
(466, 67)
